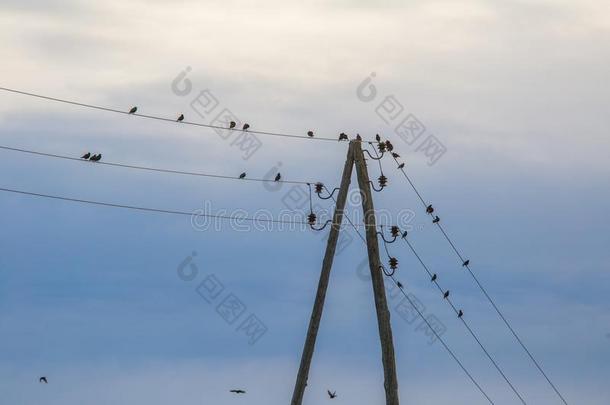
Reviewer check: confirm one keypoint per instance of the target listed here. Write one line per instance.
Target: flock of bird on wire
(383, 146)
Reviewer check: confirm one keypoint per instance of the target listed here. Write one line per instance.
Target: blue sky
(91, 297)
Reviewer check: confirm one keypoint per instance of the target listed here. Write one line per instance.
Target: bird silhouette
(245, 127)
(466, 263)
(460, 313)
(133, 110)
(243, 175)
(404, 234)
(377, 138)
(446, 294)
(238, 391)
(389, 146)
(434, 277)
(358, 138)
(95, 158)
(399, 284)
(429, 209)
(395, 155)
(332, 395)
(310, 134)
(43, 380)
(343, 136)
(180, 118)
(436, 220)
(86, 156)
(400, 166)
(278, 177)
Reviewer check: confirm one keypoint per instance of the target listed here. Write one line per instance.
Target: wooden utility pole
(354, 155)
(381, 305)
(318, 306)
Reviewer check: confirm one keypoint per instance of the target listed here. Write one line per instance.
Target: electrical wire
(159, 118)
(164, 211)
(152, 169)
(447, 348)
(476, 338)
(484, 291)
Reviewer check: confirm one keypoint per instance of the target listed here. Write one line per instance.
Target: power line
(159, 118)
(476, 338)
(451, 353)
(157, 210)
(152, 169)
(483, 290)
(194, 214)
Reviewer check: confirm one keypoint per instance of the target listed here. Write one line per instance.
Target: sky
(119, 307)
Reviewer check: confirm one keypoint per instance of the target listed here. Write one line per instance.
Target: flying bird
(466, 263)
(434, 277)
(43, 380)
(310, 134)
(86, 156)
(278, 177)
(436, 220)
(180, 118)
(446, 294)
(332, 395)
(460, 313)
(243, 175)
(377, 138)
(429, 209)
(238, 391)
(232, 125)
(133, 110)
(343, 136)
(400, 166)
(245, 127)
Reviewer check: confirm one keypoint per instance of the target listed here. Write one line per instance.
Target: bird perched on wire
(310, 134)
(243, 175)
(460, 313)
(429, 209)
(400, 166)
(278, 177)
(133, 110)
(436, 220)
(399, 284)
(389, 146)
(434, 277)
(96, 158)
(180, 118)
(395, 155)
(332, 395)
(377, 138)
(86, 156)
(343, 136)
(232, 124)
(446, 294)
(466, 263)
(238, 391)
(245, 127)
(43, 380)
(404, 234)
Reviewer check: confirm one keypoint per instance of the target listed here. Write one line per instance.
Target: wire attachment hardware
(322, 227)
(330, 194)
